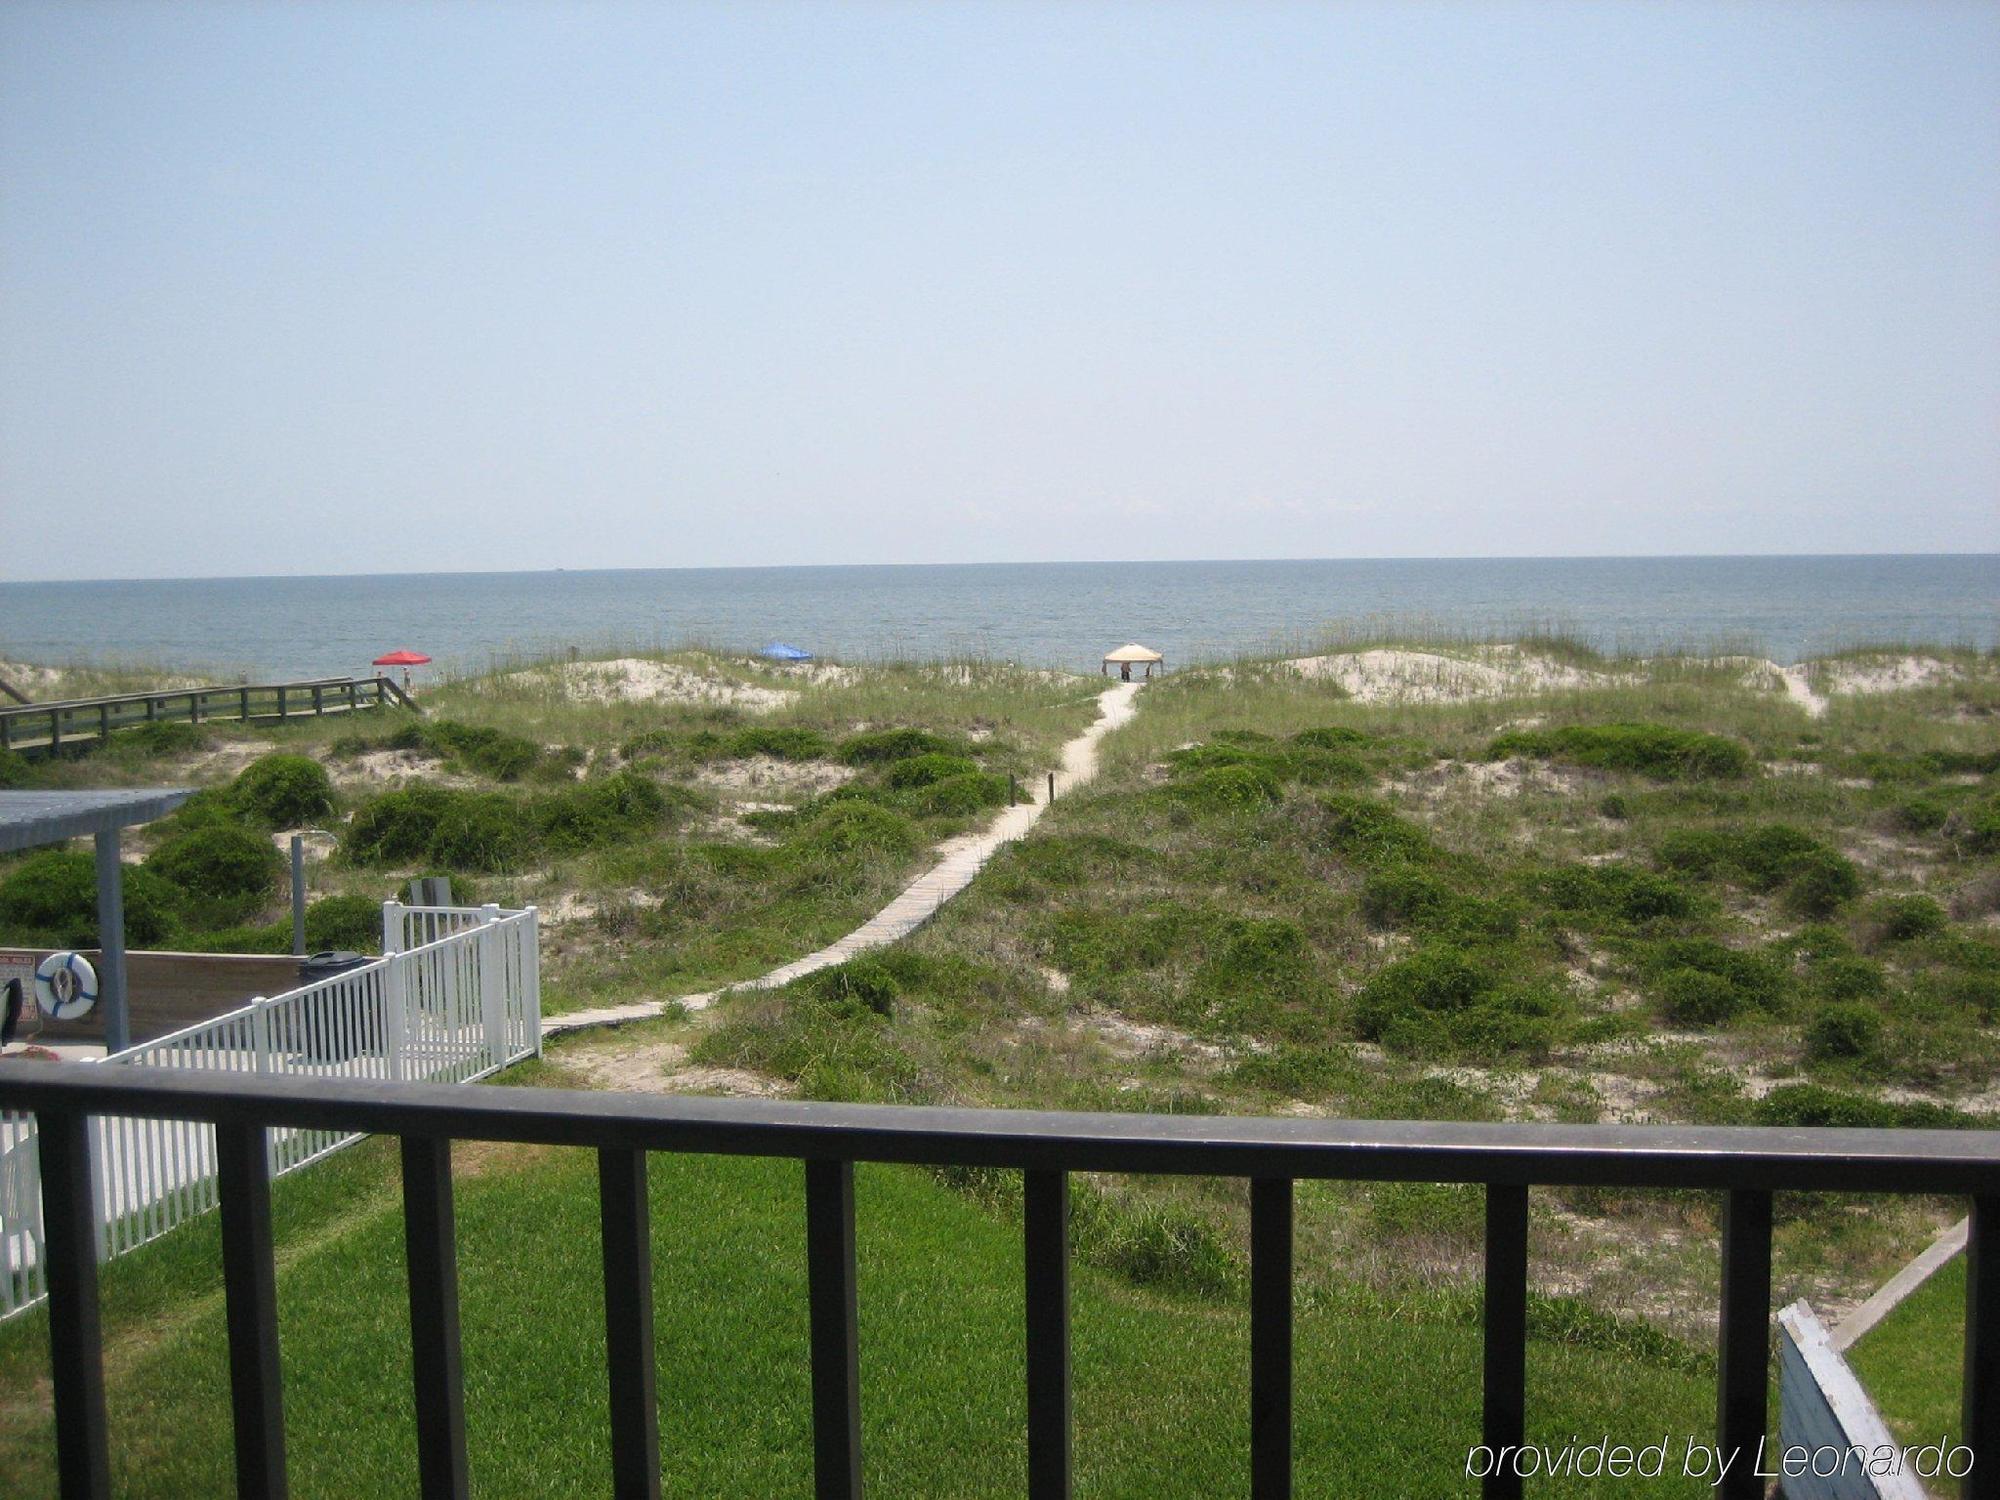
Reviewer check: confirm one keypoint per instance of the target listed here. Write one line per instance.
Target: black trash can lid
(331, 963)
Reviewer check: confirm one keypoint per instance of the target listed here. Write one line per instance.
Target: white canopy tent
(1132, 654)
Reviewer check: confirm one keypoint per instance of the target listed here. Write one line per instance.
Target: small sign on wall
(19, 964)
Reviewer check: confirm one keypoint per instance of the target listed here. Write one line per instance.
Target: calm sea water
(1064, 614)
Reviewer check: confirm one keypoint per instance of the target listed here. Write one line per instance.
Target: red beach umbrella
(403, 658)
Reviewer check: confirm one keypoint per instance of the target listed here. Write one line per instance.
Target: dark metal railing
(1745, 1164)
(70, 721)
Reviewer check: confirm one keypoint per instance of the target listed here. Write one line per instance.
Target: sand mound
(807, 673)
(765, 773)
(1887, 674)
(1388, 676)
(637, 679)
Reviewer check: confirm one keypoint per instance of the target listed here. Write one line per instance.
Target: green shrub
(651, 742)
(223, 861)
(1405, 896)
(956, 796)
(1197, 758)
(786, 743)
(594, 814)
(1847, 1029)
(1960, 762)
(1694, 997)
(479, 747)
(1068, 861)
(396, 827)
(1812, 1104)
(1656, 750)
(1612, 894)
(1816, 880)
(881, 746)
(351, 922)
(1922, 814)
(1329, 737)
(864, 983)
(14, 770)
(162, 737)
(924, 770)
(1844, 978)
(1228, 789)
(1259, 956)
(1975, 829)
(1093, 942)
(1902, 918)
(1699, 982)
(1822, 883)
(1415, 899)
(284, 791)
(1370, 833)
(1439, 1001)
(1308, 762)
(1614, 806)
(51, 897)
(858, 828)
(481, 832)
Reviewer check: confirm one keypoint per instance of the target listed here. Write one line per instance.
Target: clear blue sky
(358, 287)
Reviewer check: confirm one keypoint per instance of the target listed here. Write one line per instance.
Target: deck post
(1045, 1219)
(76, 1335)
(1744, 1339)
(1981, 1392)
(836, 1366)
(111, 943)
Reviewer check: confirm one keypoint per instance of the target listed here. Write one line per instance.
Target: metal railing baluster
(1045, 1235)
(1503, 1402)
(1981, 1395)
(625, 1217)
(250, 1284)
(435, 1360)
(836, 1361)
(76, 1335)
(1271, 1338)
(1744, 1340)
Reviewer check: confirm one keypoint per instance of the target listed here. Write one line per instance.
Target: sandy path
(1799, 690)
(959, 860)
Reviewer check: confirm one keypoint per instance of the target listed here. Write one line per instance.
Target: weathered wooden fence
(72, 721)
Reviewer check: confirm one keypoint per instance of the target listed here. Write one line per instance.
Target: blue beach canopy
(779, 651)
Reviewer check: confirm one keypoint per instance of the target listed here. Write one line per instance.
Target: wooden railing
(1747, 1165)
(50, 726)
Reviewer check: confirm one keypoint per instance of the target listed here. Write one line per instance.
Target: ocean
(1045, 614)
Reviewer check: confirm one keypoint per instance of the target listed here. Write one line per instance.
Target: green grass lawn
(1387, 1398)
(1912, 1362)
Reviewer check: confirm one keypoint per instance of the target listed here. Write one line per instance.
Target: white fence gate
(455, 996)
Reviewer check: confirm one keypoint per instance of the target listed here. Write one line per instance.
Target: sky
(404, 287)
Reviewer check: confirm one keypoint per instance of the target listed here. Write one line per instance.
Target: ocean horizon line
(1073, 562)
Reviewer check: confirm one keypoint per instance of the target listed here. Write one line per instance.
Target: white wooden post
(493, 984)
(260, 1032)
(531, 977)
(395, 1013)
(392, 927)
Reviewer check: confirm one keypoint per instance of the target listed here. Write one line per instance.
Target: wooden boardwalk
(959, 860)
(77, 721)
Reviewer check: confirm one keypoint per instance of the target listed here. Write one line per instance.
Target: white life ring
(65, 986)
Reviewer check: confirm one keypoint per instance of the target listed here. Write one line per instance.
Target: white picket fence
(455, 996)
